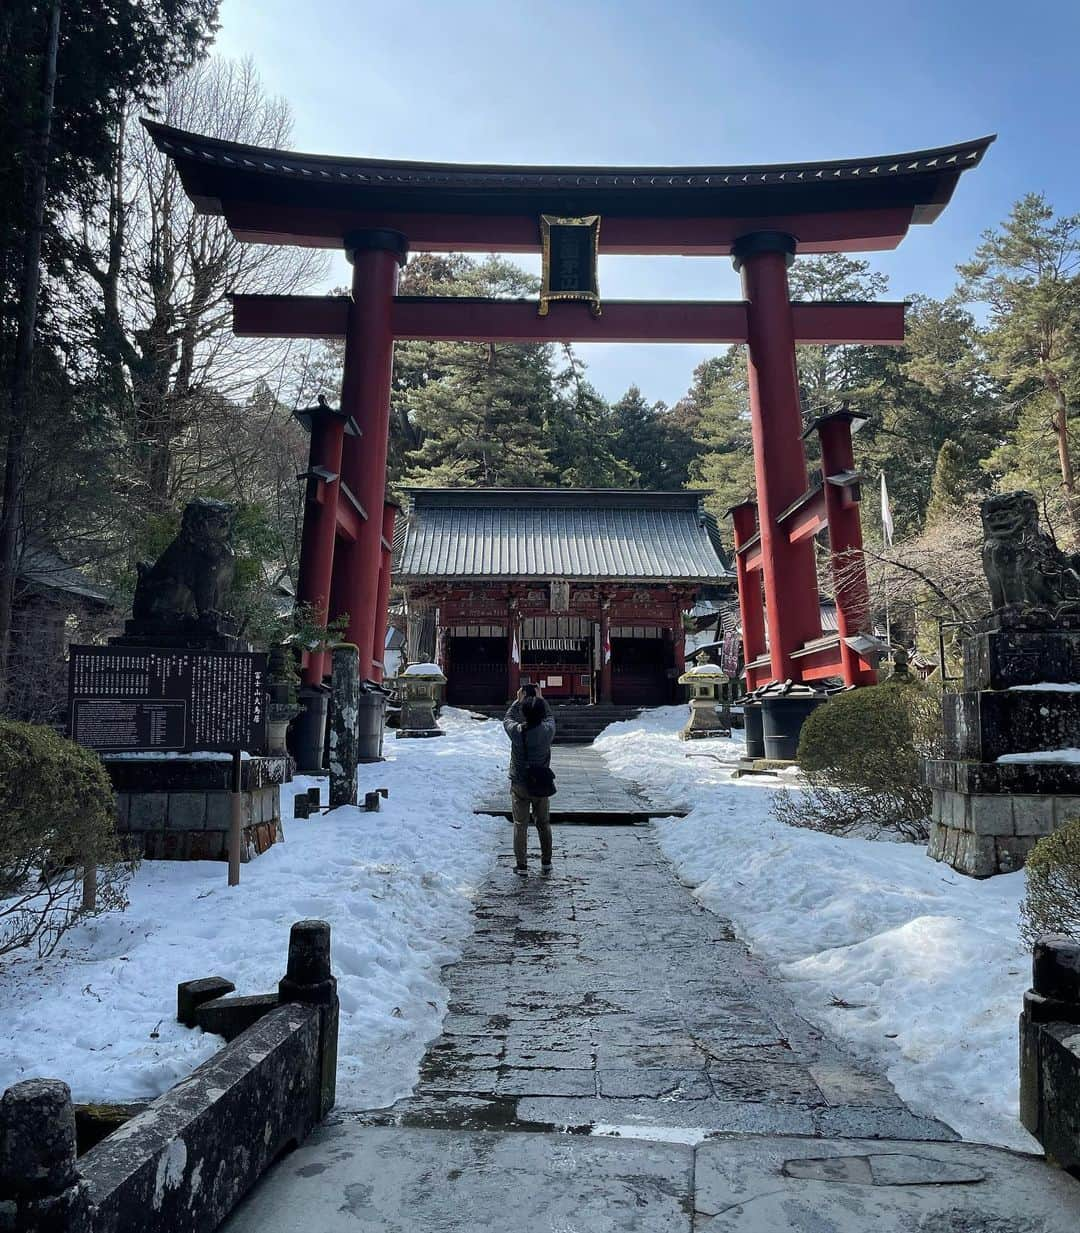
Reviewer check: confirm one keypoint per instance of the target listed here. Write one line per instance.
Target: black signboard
(569, 249)
(147, 699)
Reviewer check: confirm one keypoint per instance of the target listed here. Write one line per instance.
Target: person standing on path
(530, 726)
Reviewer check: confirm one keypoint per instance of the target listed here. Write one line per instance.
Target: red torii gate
(377, 210)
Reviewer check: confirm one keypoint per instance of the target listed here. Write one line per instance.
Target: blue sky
(688, 82)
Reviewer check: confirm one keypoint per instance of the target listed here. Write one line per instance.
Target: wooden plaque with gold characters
(570, 248)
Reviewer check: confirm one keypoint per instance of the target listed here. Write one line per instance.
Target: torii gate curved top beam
(281, 197)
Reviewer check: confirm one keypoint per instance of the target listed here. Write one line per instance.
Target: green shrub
(1052, 902)
(860, 753)
(57, 813)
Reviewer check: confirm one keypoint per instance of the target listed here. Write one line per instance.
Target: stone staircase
(575, 724)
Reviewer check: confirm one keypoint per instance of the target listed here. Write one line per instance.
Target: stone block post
(40, 1188)
(1050, 1051)
(309, 980)
(344, 725)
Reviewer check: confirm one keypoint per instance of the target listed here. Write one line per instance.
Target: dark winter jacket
(528, 746)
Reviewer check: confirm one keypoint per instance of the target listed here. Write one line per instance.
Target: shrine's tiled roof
(557, 533)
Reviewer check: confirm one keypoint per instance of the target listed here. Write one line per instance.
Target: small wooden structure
(579, 590)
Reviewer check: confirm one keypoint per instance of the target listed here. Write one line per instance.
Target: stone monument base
(987, 816)
(1020, 703)
(179, 807)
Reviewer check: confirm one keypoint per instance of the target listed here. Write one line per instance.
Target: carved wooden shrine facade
(379, 210)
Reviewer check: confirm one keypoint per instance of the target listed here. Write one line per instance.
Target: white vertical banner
(514, 653)
(886, 513)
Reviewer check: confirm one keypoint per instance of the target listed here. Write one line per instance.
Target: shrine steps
(574, 724)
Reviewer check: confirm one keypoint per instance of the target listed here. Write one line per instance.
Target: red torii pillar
(845, 542)
(376, 256)
(792, 609)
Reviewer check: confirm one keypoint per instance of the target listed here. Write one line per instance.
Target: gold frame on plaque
(592, 298)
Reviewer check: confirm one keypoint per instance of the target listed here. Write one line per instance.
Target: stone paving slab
(587, 791)
(850, 1186)
(351, 1178)
(359, 1179)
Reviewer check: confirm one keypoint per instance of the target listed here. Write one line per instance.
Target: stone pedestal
(345, 693)
(179, 808)
(988, 814)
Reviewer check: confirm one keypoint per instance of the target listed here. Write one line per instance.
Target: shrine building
(579, 590)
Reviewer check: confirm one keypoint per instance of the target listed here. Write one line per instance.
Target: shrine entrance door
(476, 668)
(642, 665)
(557, 655)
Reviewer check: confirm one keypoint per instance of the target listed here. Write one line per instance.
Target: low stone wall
(184, 1163)
(180, 809)
(1050, 1051)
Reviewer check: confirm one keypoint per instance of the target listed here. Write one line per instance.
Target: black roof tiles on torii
(253, 185)
(268, 161)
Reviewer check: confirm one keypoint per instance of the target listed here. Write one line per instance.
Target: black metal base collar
(377, 238)
(756, 242)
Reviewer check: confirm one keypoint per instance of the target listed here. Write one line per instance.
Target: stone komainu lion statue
(188, 583)
(1024, 567)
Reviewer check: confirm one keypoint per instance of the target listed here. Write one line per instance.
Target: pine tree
(1029, 274)
(949, 488)
(724, 465)
(650, 440)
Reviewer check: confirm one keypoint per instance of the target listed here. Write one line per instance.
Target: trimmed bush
(57, 814)
(1052, 902)
(860, 753)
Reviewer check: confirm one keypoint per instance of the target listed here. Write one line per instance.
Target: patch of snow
(423, 670)
(1043, 755)
(396, 887)
(154, 755)
(690, 1135)
(706, 670)
(170, 1171)
(1054, 686)
(908, 962)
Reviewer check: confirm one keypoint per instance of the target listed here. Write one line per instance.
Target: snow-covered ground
(396, 887)
(899, 956)
(904, 959)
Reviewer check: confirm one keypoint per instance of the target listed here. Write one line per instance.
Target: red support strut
(320, 524)
(751, 608)
(365, 395)
(792, 607)
(845, 543)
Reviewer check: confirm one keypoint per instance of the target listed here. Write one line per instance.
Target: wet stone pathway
(614, 1061)
(606, 996)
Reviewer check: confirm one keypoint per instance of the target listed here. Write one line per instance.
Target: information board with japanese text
(142, 699)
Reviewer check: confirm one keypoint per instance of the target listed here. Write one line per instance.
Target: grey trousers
(528, 809)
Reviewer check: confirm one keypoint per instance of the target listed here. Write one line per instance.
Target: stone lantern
(419, 687)
(705, 682)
